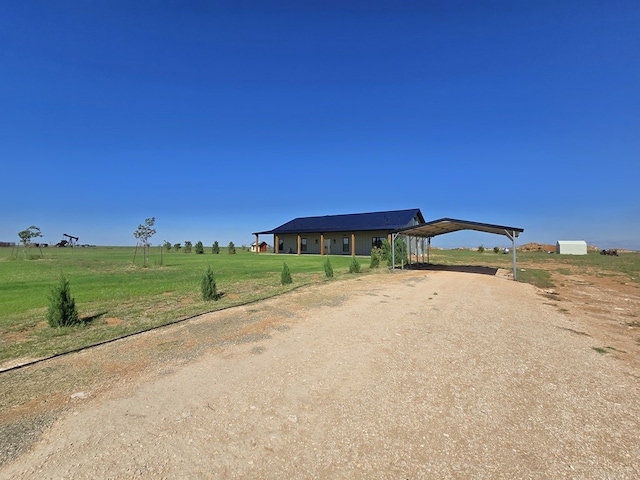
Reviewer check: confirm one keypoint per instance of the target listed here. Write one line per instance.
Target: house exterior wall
(571, 247)
(334, 240)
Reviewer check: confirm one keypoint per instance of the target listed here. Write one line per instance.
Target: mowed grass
(114, 297)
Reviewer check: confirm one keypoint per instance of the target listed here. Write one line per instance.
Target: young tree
(62, 310)
(177, 247)
(354, 266)
(232, 248)
(208, 286)
(215, 248)
(285, 276)
(187, 246)
(328, 269)
(27, 235)
(143, 234)
(199, 247)
(167, 246)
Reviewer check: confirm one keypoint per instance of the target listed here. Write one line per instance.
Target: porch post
(299, 244)
(353, 244)
(276, 244)
(322, 244)
(257, 244)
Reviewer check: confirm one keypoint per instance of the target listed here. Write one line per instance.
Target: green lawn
(115, 297)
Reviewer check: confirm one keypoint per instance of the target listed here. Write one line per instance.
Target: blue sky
(225, 118)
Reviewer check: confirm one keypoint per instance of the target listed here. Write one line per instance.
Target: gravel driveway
(411, 375)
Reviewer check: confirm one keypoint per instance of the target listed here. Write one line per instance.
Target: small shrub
(496, 249)
(199, 247)
(481, 249)
(285, 276)
(232, 248)
(62, 310)
(187, 246)
(215, 249)
(376, 255)
(208, 286)
(354, 266)
(328, 269)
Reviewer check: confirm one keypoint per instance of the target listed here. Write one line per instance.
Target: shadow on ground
(454, 268)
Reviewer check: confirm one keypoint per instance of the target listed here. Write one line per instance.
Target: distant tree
(177, 247)
(285, 276)
(496, 249)
(27, 235)
(208, 286)
(62, 310)
(232, 248)
(187, 246)
(143, 234)
(328, 269)
(216, 248)
(481, 249)
(199, 247)
(167, 246)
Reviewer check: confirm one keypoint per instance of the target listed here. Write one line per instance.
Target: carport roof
(449, 225)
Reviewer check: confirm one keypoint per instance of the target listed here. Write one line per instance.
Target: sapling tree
(328, 269)
(354, 266)
(285, 276)
(187, 246)
(208, 286)
(62, 310)
(167, 245)
(232, 248)
(143, 234)
(27, 235)
(215, 248)
(199, 247)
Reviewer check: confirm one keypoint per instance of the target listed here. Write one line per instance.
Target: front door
(327, 246)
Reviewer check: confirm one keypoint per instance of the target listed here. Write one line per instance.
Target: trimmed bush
(285, 276)
(376, 255)
(62, 310)
(354, 266)
(208, 286)
(328, 269)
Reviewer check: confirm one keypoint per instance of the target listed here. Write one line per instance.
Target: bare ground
(421, 374)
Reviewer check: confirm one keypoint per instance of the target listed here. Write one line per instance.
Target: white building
(571, 247)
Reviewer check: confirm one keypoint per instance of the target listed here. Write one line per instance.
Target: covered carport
(434, 228)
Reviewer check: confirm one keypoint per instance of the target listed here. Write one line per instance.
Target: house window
(303, 244)
(345, 244)
(280, 245)
(377, 242)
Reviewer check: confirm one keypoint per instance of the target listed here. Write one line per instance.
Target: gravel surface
(410, 375)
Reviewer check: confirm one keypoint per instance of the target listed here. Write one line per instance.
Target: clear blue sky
(225, 118)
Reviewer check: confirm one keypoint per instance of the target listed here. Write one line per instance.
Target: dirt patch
(428, 374)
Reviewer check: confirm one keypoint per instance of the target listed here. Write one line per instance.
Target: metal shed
(448, 225)
(571, 247)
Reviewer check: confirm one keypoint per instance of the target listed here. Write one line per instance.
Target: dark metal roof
(449, 225)
(354, 222)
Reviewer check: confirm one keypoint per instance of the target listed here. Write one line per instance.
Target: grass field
(115, 297)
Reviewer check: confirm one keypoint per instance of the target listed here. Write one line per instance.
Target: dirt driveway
(412, 375)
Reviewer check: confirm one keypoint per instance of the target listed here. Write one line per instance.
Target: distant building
(261, 248)
(571, 247)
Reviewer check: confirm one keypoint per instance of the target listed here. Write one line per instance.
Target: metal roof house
(350, 234)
